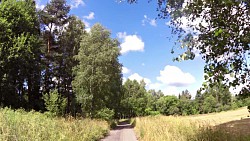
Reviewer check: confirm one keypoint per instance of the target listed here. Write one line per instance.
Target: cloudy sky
(146, 43)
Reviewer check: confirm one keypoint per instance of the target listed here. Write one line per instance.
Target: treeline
(139, 102)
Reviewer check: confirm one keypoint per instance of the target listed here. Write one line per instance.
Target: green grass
(23, 126)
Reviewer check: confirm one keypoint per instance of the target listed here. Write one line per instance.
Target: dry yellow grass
(33, 126)
(222, 117)
(207, 127)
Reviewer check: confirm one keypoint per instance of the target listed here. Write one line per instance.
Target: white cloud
(167, 90)
(76, 3)
(124, 79)
(39, 5)
(152, 22)
(187, 24)
(91, 16)
(172, 81)
(130, 43)
(125, 70)
(85, 19)
(87, 30)
(174, 76)
(121, 35)
(196, 52)
(238, 88)
(86, 23)
(138, 78)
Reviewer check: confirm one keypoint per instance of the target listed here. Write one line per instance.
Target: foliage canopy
(218, 30)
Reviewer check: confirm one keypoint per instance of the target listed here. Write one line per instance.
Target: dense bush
(105, 114)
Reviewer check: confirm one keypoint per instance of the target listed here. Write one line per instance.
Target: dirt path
(123, 132)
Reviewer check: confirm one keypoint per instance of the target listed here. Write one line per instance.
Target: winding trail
(123, 132)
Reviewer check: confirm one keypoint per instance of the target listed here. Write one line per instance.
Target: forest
(49, 63)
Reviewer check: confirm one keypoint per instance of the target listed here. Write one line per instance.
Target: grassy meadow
(225, 126)
(23, 126)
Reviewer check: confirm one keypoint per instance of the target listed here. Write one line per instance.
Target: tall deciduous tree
(134, 101)
(219, 30)
(168, 105)
(19, 53)
(98, 82)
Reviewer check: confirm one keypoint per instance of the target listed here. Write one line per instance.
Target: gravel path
(123, 132)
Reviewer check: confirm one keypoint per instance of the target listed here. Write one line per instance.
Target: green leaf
(218, 32)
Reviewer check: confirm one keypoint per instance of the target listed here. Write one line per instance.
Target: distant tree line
(139, 102)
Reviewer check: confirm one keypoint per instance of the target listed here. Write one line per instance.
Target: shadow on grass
(238, 130)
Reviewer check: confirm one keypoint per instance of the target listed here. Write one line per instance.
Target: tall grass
(23, 126)
(163, 128)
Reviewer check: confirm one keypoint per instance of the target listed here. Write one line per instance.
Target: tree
(219, 30)
(209, 104)
(188, 107)
(168, 105)
(134, 101)
(221, 94)
(97, 81)
(185, 95)
(69, 43)
(153, 97)
(54, 103)
(53, 19)
(19, 54)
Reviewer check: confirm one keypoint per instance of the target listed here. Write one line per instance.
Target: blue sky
(145, 43)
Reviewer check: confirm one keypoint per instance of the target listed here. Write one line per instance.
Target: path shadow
(123, 125)
(238, 130)
(235, 127)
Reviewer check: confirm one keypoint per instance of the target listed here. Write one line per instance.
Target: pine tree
(53, 18)
(69, 43)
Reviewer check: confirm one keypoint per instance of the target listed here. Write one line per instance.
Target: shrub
(247, 101)
(234, 105)
(151, 112)
(113, 124)
(54, 103)
(105, 114)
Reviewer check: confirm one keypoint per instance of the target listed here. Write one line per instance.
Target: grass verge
(20, 125)
(169, 128)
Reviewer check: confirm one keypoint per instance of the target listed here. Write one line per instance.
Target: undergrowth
(23, 126)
